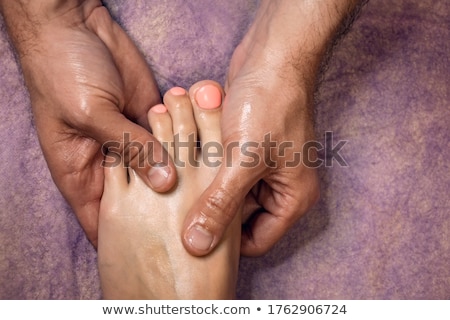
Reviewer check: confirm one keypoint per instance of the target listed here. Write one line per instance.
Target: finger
(106, 124)
(207, 221)
(141, 91)
(87, 215)
(261, 232)
(251, 204)
(280, 208)
(138, 148)
(81, 183)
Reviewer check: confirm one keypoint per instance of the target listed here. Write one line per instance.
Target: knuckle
(222, 205)
(83, 117)
(259, 250)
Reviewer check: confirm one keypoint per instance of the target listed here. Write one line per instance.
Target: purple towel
(382, 227)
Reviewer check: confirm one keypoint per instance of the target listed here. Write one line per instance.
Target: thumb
(209, 218)
(132, 145)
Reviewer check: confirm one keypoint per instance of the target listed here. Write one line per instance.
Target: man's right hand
(90, 88)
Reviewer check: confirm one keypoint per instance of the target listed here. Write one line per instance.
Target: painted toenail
(208, 97)
(177, 91)
(158, 176)
(159, 108)
(199, 238)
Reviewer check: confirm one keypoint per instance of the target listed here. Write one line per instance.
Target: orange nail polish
(159, 108)
(208, 97)
(177, 91)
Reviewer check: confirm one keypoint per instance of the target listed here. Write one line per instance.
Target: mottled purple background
(382, 227)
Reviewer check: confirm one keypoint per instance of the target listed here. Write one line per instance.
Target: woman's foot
(140, 253)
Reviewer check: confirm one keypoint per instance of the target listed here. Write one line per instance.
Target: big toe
(206, 97)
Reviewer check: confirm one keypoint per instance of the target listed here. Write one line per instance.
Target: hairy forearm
(299, 33)
(26, 20)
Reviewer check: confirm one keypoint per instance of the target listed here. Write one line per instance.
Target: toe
(161, 125)
(184, 129)
(116, 180)
(206, 97)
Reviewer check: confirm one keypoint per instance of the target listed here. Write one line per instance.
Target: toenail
(177, 91)
(199, 238)
(208, 97)
(158, 176)
(159, 108)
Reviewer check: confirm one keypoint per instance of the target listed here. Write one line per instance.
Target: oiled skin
(379, 230)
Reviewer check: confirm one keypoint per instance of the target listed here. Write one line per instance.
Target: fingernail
(159, 108)
(208, 97)
(199, 238)
(158, 176)
(177, 91)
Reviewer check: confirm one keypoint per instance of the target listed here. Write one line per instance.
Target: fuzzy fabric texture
(382, 227)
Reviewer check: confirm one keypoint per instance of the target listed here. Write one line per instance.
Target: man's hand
(86, 80)
(267, 122)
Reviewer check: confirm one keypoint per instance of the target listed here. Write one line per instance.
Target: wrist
(293, 37)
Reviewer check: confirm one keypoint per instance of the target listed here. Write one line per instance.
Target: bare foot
(140, 252)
